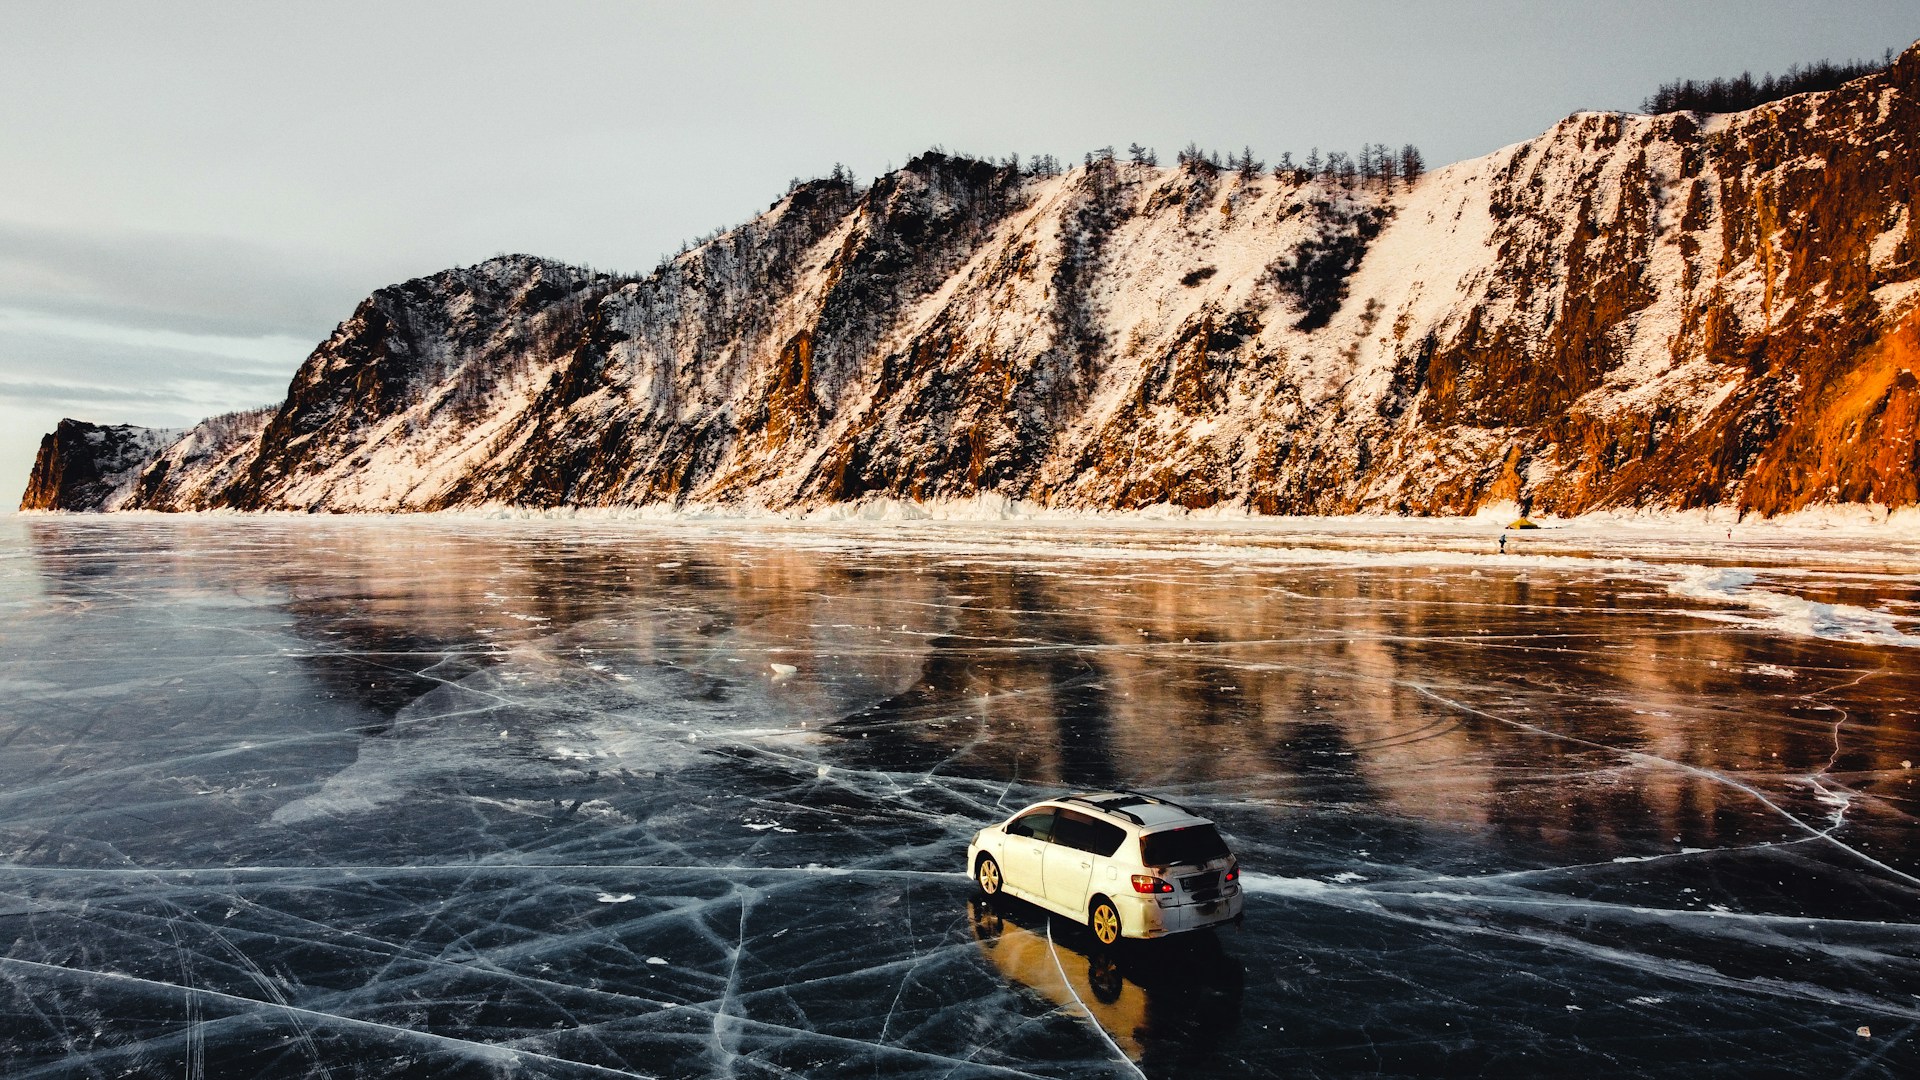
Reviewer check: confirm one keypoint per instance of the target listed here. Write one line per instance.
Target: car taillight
(1147, 883)
(1233, 871)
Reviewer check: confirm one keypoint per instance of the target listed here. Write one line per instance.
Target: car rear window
(1179, 847)
(1077, 830)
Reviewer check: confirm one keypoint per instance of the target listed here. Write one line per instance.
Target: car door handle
(1086, 866)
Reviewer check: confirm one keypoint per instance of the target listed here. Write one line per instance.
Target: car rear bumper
(1143, 916)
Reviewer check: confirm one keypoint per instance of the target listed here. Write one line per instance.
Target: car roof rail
(1085, 800)
(1118, 808)
(1162, 801)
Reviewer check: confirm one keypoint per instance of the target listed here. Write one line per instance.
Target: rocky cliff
(1670, 311)
(84, 466)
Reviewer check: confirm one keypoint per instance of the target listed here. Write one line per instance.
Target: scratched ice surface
(468, 798)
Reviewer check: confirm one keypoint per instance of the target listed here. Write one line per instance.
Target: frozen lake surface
(451, 797)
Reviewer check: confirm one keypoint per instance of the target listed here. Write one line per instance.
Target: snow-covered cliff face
(1629, 310)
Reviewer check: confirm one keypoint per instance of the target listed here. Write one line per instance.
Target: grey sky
(191, 196)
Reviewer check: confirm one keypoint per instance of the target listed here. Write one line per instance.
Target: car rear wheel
(1104, 920)
(988, 875)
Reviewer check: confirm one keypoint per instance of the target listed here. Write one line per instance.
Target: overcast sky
(193, 194)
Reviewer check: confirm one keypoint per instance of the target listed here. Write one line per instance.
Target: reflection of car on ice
(1127, 865)
(1162, 1003)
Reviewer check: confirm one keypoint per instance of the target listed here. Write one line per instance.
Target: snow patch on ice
(1786, 613)
(1277, 885)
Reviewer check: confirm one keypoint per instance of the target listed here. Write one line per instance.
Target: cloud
(86, 395)
(188, 284)
(270, 350)
(152, 329)
(55, 366)
(113, 373)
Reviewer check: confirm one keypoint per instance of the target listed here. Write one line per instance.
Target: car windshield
(1180, 847)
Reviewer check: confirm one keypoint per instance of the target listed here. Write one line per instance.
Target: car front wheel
(1104, 921)
(988, 876)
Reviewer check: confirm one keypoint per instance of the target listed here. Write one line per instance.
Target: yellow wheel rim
(1106, 924)
(989, 877)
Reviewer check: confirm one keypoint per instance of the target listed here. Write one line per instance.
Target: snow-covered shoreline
(1863, 520)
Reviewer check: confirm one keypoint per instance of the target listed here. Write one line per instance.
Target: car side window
(1039, 826)
(1088, 834)
(1105, 838)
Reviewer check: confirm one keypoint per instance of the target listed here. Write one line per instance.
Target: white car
(1126, 864)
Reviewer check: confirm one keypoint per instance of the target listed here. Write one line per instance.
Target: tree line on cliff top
(1745, 92)
(1374, 163)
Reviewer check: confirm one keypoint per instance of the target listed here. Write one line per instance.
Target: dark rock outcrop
(84, 466)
